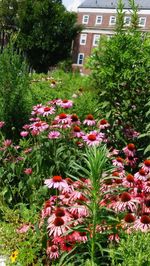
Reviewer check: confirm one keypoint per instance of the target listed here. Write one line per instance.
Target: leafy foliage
(15, 94)
(43, 26)
(133, 250)
(120, 70)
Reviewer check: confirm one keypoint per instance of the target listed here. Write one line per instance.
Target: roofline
(142, 8)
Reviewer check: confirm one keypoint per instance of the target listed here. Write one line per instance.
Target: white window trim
(112, 23)
(96, 21)
(80, 59)
(95, 38)
(142, 25)
(83, 22)
(127, 24)
(83, 37)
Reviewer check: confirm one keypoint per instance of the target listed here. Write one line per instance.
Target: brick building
(99, 17)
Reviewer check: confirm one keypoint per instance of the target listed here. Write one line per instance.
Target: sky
(72, 4)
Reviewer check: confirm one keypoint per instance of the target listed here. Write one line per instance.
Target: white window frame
(85, 19)
(142, 18)
(83, 38)
(125, 22)
(96, 38)
(78, 60)
(112, 18)
(97, 18)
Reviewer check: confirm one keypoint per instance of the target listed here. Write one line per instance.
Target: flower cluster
(122, 192)
(64, 212)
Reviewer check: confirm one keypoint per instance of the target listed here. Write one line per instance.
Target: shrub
(121, 73)
(15, 94)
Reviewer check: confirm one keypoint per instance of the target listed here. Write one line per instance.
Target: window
(96, 40)
(109, 36)
(80, 59)
(85, 19)
(98, 20)
(83, 38)
(112, 20)
(142, 21)
(127, 21)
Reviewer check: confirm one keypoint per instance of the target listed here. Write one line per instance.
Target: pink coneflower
(28, 150)
(26, 127)
(24, 133)
(129, 218)
(23, 229)
(28, 171)
(131, 161)
(49, 206)
(103, 124)
(80, 236)
(39, 126)
(129, 150)
(66, 104)
(63, 119)
(114, 238)
(67, 245)
(89, 120)
(146, 206)
(143, 223)
(126, 202)
(146, 165)
(75, 119)
(77, 132)
(119, 162)
(57, 182)
(54, 135)
(113, 152)
(79, 210)
(93, 138)
(129, 181)
(60, 212)
(55, 101)
(52, 252)
(7, 143)
(141, 175)
(46, 110)
(35, 132)
(65, 198)
(146, 187)
(2, 123)
(130, 178)
(34, 119)
(57, 227)
(35, 109)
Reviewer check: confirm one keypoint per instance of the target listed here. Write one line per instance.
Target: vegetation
(15, 95)
(74, 181)
(120, 70)
(48, 42)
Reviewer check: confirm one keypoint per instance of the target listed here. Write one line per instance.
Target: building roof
(142, 4)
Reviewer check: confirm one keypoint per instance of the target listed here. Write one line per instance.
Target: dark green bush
(15, 93)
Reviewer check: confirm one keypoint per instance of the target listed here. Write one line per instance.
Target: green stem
(94, 228)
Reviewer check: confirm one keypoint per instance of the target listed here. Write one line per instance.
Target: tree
(46, 33)
(8, 20)
(121, 71)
